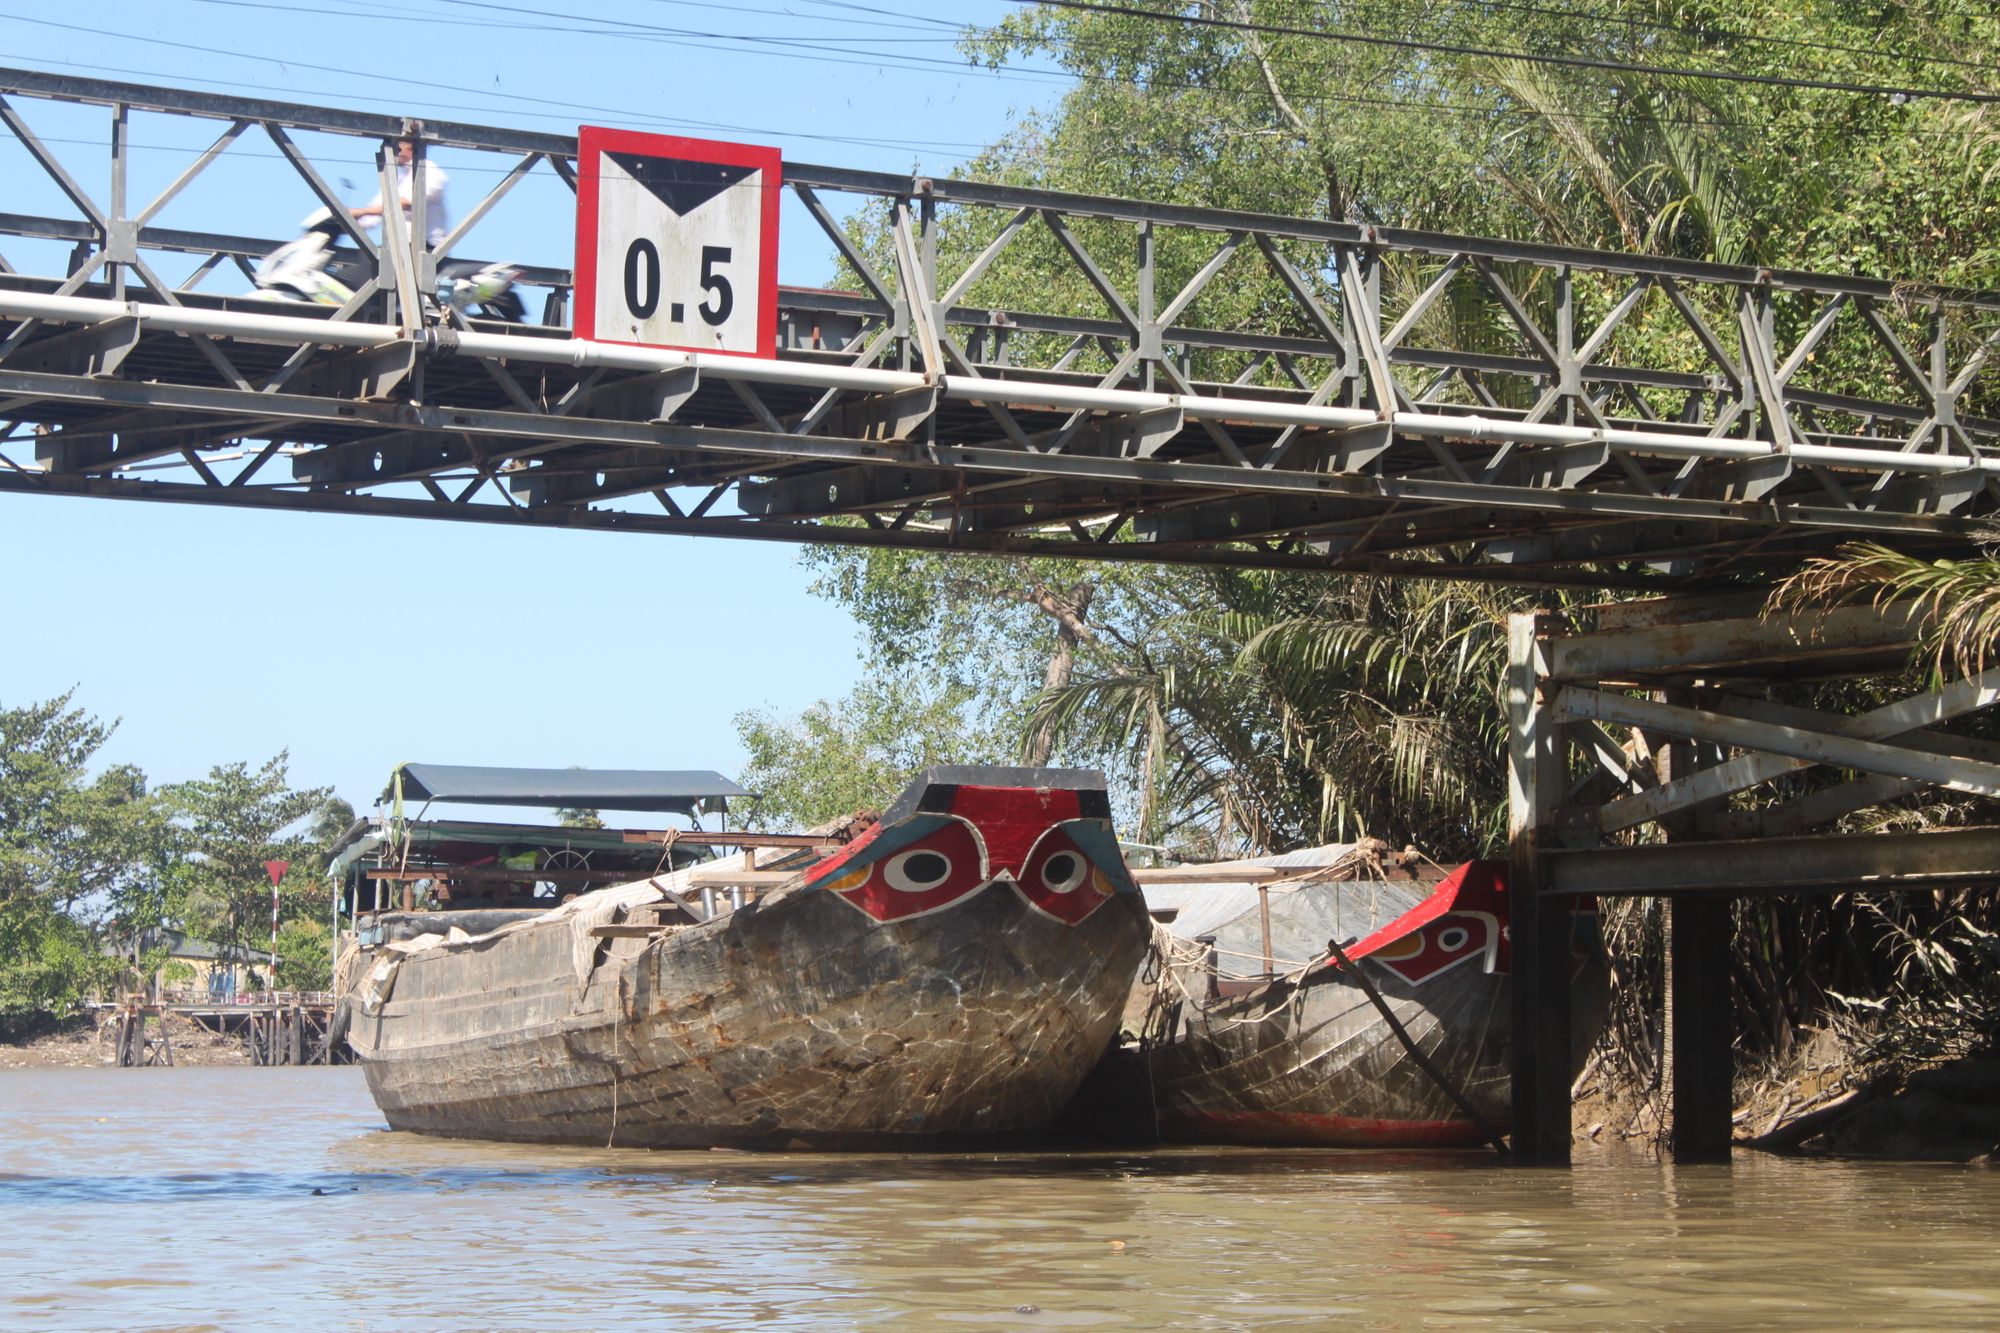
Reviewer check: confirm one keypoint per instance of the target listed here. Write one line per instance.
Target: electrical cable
(957, 67)
(626, 116)
(1722, 34)
(568, 107)
(1572, 62)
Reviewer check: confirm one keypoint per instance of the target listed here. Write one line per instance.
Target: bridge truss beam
(1641, 421)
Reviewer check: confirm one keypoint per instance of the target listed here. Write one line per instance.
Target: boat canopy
(680, 791)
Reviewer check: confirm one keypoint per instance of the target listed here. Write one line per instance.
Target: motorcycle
(313, 269)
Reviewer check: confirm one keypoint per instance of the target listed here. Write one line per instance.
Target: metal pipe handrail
(583, 354)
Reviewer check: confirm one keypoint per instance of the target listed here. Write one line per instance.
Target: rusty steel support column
(1701, 1063)
(1703, 1055)
(1539, 926)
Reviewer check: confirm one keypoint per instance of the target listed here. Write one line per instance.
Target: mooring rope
(1423, 1061)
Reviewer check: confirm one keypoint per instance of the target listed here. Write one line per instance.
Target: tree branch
(1336, 193)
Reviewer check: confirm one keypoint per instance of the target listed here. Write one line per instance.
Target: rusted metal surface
(1821, 862)
(1663, 710)
(827, 1015)
(1751, 645)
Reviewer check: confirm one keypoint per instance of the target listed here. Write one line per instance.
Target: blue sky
(356, 643)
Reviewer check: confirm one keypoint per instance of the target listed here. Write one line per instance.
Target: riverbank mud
(83, 1043)
(1826, 1103)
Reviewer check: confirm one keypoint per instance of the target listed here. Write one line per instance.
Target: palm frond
(1958, 601)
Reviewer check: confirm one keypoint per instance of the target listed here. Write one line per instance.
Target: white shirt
(435, 221)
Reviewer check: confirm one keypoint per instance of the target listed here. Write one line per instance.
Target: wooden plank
(730, 877)
(625, 931)
(807, 840)
(1220, 872)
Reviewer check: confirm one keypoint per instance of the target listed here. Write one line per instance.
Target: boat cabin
(404, 860)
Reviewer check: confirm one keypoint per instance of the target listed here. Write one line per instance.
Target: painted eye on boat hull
(1062, 872)
(916, 871)
(1059, 880)
(941, 862)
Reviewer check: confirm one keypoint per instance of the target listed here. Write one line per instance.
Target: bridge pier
(1630, 728)
(1703, 1065)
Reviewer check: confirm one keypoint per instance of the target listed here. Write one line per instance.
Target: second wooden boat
(1256, 1033)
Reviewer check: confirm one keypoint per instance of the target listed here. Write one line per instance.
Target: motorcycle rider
(406, 173)
(312, 268)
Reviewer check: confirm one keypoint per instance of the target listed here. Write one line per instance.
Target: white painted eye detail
(1063, 872)
(917, 871)
(1453, 938)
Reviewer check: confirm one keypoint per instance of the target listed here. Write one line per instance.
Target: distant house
(217, 968)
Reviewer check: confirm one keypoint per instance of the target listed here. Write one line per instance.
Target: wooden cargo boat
(948, 976)
(1255, 1033)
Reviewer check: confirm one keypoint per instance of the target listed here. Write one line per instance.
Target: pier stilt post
(1539, 926)
(126, 1043)
(1703, 1053)
(1701, 1058)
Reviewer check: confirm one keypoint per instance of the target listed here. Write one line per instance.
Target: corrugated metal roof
(675, 790)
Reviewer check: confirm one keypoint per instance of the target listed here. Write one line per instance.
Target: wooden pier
(287, 1029)
(1629, 727)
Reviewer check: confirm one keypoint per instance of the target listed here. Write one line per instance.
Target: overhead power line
(1531, 57)
(565, 107)
(1722, 34)
(835, 56)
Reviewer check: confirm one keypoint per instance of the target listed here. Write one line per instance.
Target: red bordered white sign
(677, 242)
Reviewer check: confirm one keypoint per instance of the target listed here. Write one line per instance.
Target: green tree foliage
(991, 631)
(305, 958)
(1246, 711)
(228, 825)
(49, 962)
(333, 818)
(1309, 121)
(75, 842)
(1297, 710)
(77, 854)
(1960, 599)
(841, 757)
(92, 862)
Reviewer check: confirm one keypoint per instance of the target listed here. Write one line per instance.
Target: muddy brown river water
(275, 1199)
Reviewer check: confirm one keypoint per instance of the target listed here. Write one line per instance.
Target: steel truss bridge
(1623, 421)
(1626, 420)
